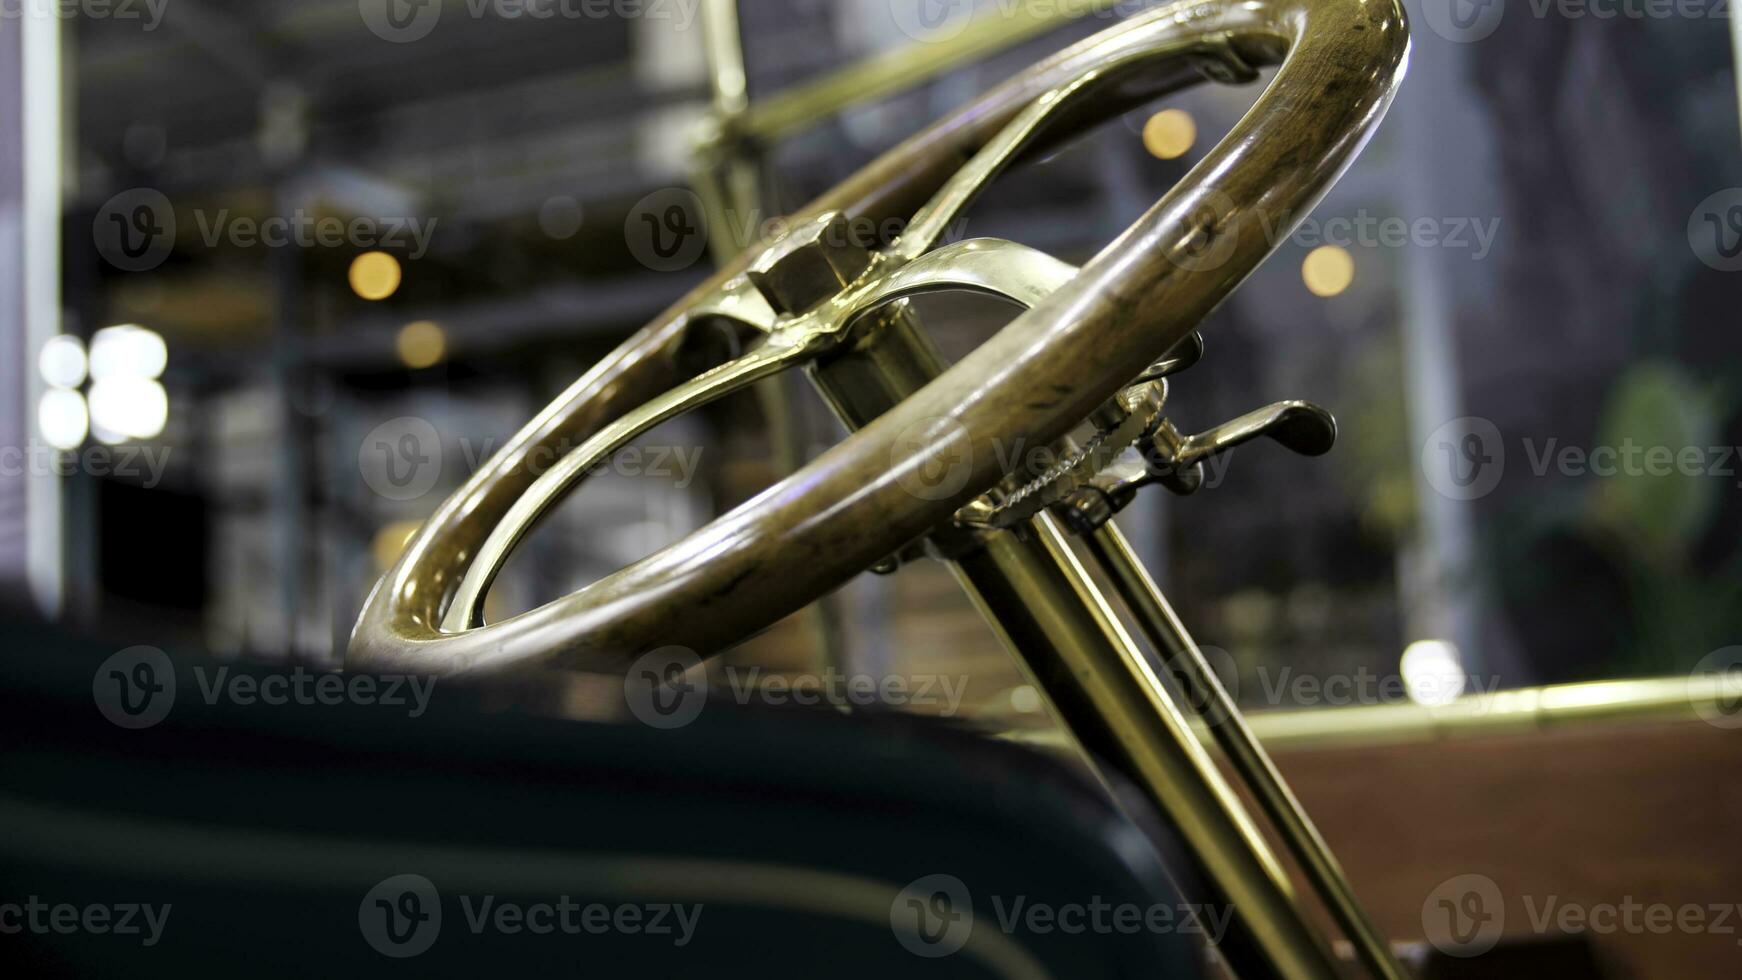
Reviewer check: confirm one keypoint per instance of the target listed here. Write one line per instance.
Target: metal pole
(1245, 755)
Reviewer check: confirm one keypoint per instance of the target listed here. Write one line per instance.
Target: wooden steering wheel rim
(1340, 63)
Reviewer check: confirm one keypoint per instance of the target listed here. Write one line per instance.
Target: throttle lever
(1300, 426)
(1176, 461)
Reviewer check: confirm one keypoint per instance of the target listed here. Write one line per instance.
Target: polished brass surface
(1050, 615)
(1169, 458)
(792, 110)
(1049, 369)
(1587, 706)
(1126, 422)
(1654, 700)
(1087, 335)
(1246, 756)
(1104, 692)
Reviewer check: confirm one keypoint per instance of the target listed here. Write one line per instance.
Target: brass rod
(1041, 602)
(1652, 700)
(1103, 691)
(868, 80)
(723, 38)
(1245, 755)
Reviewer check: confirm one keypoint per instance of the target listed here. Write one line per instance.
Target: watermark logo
(667, 230)
(401, 917)
(934, 458)
(302, 229)
(1464, 459)
(1721, 669)
(932, 21)
(1715, 230)
(135, 688)
(1465, 916)
(38, 917)
(667, 688)
(400, 21)
(401, 459)
(134, 231)
(1204, 703)
(149, 12)
(933, 916)
(1463, 21)
(404, 458)
(144, 465)
(1212, 236)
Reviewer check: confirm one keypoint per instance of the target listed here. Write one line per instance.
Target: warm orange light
(1170, 133)
(1328, 270)
(375, 275)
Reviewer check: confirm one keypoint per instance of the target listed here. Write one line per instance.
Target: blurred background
(276, 277)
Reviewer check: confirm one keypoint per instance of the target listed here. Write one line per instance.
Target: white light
(128, 408)
(1433, 672)
(62, 361)
(128, 351)
(61, 417)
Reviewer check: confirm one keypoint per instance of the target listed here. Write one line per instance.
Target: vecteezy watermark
(1465, 459)
(933, 917)
(304, 230)
(38, 917)
(401, 917)
(404, 21)
(135, 231)
(1286, 687)
(137, 687)
(1213, 235)
(149, 13)
(1366, 230)
(1715, 230)
(669, 229)
(667, 689)
(1466, 916)
(143, 464)
(403, 459)
(1715, 687)
(1467, 21)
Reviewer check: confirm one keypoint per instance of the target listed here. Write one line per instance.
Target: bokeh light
(422, 344)
(128, 351)
(125, 408)
(1170, 133)
(1433, 672)
(375, 276)
(62, 362)
(62, 418)
(1328, 270)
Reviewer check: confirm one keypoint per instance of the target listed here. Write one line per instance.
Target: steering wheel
(1086, 334)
